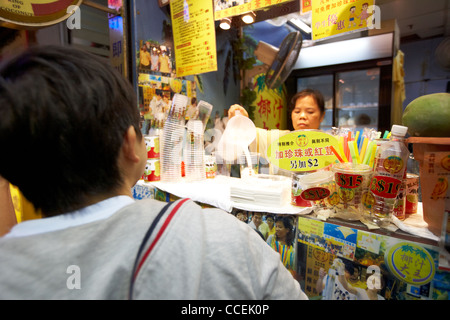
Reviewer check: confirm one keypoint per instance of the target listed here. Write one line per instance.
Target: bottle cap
(399, 130)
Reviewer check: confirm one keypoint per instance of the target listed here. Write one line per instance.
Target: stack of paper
(262, 190)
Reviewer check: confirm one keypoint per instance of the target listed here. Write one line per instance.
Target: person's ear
(130, 145)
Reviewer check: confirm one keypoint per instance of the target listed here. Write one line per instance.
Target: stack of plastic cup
(193, 152)
(172, 140)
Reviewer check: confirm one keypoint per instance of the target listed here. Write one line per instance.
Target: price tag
(303, 151)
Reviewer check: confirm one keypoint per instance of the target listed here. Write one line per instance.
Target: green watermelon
(428, 116)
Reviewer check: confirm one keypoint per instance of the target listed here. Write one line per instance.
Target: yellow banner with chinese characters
(228, 8)
(337, 17)
(194, 36)
(270, 105)
(303, 151)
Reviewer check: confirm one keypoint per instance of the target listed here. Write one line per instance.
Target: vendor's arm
(341, 277)
(320, 283)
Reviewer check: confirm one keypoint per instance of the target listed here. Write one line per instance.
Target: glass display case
(355, 97)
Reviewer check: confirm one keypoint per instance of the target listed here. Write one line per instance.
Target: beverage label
(349, 181)
(385, 187)
(393, 164)
(315, 194)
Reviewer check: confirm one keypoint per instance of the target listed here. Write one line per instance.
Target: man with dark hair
(70, 140)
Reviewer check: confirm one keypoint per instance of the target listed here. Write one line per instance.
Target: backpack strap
(142, 256)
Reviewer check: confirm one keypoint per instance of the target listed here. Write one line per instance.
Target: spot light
(225, 23)
(249, 17)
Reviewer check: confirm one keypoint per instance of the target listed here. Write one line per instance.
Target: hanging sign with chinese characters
(337, 17)
(305, 150)
(411, 263)
(270, 111)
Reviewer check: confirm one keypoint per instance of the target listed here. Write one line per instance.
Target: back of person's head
(64, 113)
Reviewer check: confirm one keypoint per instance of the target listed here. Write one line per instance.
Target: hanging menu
(194, 36)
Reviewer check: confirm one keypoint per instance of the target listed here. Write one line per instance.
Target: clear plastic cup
(317, 187)
(352, 181)
(249, 164)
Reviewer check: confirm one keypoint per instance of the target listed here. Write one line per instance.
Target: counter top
(216, 192)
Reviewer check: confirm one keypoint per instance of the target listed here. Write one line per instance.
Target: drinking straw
(357, 136)
(341, 148)
(368, 152)
(346, 150)
(351, 147)
(337, 154)
(372, 155)
(364, 148)
(385, 134)
(355, 147)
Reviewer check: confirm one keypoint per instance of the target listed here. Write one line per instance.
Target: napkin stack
(262, 190)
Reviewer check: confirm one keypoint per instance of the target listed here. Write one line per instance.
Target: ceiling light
(249, 17)
(300, 24)
(225, 23)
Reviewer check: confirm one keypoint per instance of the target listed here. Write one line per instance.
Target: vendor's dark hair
(315, 94)
(64, 113)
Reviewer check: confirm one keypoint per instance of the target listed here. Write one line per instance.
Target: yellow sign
(336, 17)
(36, 13)
(234, 8)
(303, 151)
(270, 105)
(410, 263)
(194, 36)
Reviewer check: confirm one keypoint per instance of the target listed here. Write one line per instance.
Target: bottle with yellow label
(389, 170)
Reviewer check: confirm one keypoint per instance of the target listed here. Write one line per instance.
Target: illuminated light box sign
(303, 151)
(227, 9)
(337, 17)
(36, 13)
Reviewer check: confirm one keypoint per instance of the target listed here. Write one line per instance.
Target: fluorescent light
(300, 24)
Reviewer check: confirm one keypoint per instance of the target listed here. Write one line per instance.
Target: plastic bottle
(389, 171)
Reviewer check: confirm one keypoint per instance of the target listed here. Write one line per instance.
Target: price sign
(303, 151)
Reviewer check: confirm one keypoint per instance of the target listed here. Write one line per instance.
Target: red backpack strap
(142, 256)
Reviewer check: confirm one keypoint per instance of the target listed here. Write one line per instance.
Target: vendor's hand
(233, 108)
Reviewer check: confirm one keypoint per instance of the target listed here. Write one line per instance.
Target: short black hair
(64, 113)
(315, 94)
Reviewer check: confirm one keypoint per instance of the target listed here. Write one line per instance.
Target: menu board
(337, 17)
(229, 8)
(194, 36)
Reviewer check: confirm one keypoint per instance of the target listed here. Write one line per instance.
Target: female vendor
(307, 109)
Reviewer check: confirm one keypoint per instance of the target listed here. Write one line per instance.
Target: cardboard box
(433, 155)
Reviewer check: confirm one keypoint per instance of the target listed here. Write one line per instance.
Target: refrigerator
(358, 91)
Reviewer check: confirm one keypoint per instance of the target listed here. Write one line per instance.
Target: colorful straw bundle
(358, 147)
